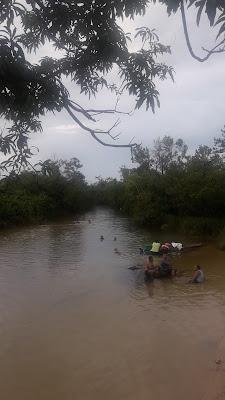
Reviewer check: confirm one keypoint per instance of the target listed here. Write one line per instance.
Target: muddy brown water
(75, 323)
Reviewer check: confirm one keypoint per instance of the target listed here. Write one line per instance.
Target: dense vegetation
(172, 189)
(169, 188)
(55, 189)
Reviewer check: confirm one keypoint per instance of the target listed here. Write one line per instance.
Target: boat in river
(192, 246)
(173, 251)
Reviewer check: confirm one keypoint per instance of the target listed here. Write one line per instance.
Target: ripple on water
(70, 309)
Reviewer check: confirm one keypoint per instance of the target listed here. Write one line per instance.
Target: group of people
(166, 247)
(160, 248)
(102, 238)
(165, 269)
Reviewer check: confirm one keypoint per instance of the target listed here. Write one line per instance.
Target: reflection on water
(76, 323)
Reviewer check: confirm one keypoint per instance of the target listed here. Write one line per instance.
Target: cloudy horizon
(192, 107)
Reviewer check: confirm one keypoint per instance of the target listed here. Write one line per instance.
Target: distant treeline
(169, 188)
(53, 189)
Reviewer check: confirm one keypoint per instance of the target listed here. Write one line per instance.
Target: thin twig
(110, 111)
(112, 145)
(95, 132)
(209, 52)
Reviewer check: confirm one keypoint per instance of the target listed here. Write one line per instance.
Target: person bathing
(198, 276)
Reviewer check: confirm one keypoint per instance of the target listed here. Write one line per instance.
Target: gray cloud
(191, 108)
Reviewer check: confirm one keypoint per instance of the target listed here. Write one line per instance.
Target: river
(76, 323)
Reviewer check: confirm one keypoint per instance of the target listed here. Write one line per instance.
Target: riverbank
(185, 229)
(32, 198)
(182, 231)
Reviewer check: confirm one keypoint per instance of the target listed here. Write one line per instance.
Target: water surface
(76, 323)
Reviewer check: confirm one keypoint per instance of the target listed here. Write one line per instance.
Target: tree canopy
(89, 42)
(168, 188)
(186, 193)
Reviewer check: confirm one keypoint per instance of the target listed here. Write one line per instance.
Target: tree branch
(94, 132)
(89, 113)
(112, 111)
(131, 145)
(214, 50)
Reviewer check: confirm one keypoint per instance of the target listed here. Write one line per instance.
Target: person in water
(149, 268)
(141, 251)
(117, 251)
(165, 248)
(198, 276)
(155, 247)
(165, 266)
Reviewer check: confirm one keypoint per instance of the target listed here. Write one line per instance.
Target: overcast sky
(192, 107)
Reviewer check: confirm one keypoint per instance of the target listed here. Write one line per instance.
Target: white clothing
(177, 246)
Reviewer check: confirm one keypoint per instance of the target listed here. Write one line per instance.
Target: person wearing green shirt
(155, 247)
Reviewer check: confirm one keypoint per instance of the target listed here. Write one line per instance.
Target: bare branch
(76, 119)
(216, 49)
(95, 132)
(116, 123)
(132, 140)
(112, 111)
(112, 145)
(81, 110)
(90, 112)
(115, 137)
